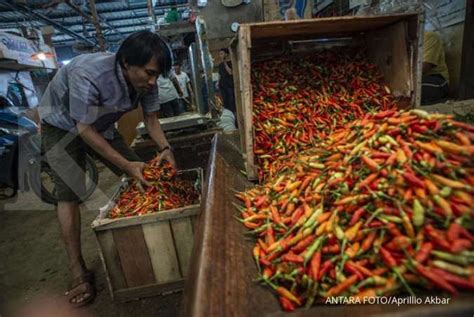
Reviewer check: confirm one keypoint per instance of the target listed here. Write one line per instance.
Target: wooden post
(98, 28)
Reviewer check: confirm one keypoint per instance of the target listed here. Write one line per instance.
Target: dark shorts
(66, 154)
(171, 108)
(434, 89)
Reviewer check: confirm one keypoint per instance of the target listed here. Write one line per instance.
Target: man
(226, 81)
(185, 85)
(82, 102)
(435, 79)
(169, 93)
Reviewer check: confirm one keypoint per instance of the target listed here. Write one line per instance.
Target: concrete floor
(33, 262)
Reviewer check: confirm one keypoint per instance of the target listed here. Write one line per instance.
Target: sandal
(83, 290)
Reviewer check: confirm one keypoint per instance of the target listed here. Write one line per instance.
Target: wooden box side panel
(162, 251)
(134, 256)
(111, 261)
(388, 49)
(182, 230)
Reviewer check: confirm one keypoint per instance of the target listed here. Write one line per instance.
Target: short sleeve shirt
(433, 53)
(166, 89)
(91, 89)
(183, 81)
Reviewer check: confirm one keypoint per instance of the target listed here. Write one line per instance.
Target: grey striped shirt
(91, 89)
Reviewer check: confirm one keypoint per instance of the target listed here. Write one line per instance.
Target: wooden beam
(98, 28)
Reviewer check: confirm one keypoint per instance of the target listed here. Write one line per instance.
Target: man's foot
(83, 290)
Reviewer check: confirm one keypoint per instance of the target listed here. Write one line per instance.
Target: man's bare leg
(70, 222)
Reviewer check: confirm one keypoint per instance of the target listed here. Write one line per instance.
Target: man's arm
(227, 68)
(426, 67)
(176, 85)
(103, 148)
(155, 131)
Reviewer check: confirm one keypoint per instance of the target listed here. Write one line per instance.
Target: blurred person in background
(184, 82)
(435, 79)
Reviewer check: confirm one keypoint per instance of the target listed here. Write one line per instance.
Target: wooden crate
(393, 43)
(146, 255)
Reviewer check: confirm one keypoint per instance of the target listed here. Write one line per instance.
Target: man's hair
(140, 47)
(225, 50)
(177, 64)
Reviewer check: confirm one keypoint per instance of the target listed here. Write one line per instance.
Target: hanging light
(41, 56)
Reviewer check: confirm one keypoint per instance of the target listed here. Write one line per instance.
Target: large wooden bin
(393, 43)
(150, 254)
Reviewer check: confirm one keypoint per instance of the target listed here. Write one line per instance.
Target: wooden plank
(107, 224)
(245, 44)
(236, 57)
(148, 291)
(387, 48)
(134, 257)
(159, 240)
(111, 261)
(182, 229)
(323, 26)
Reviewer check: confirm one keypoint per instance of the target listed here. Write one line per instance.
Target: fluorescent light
(65, 62)
(41, 56)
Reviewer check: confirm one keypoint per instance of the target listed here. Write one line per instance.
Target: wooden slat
(159, 239)
(107, 224)
(182, 229)
(247, 102)
(111, 261)
(134, 257)
(323, 26)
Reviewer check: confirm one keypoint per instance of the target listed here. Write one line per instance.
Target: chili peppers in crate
(299, 101)
(168, 191)
(382, 205)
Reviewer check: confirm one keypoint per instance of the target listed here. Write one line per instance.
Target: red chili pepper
(315, 265)
(356, 216)
(286, 304)
(460, 245)
(454, 279)
(436, 279)
(351, 269)
(303, 244)
(437, 238)
(414, 180)
(454, 231)
(291, 257)
(387, 258)
(424, 252)
(325, 267)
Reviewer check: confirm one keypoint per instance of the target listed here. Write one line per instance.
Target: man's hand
(135, 170)
(167, 155)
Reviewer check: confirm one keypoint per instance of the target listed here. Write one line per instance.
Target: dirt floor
(33, 262)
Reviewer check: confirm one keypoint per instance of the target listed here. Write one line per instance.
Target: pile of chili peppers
(299, 101)
(168, 191)
(381, 206)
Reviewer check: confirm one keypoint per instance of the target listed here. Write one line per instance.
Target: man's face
(223, 55)
(143, 78)
(177, 69)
